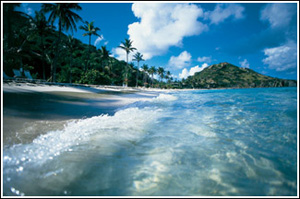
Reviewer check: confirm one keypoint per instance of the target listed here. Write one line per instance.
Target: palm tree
(90, 30)
(161, 73)
(136, 70)
(152, 71)
(137, 57)
(105, 55)
(145, 70)
(15, 23)
(40, 27)
(168, 76)
(66, 20)
(10, 18)
(70, 44)
(127, 46)
(137, 77)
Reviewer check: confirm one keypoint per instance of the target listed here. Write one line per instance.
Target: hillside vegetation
(226, 75)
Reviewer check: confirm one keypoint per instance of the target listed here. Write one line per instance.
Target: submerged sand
(50, 107)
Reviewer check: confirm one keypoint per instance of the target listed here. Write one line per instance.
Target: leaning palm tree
(15, 23)
(90, 30)
(10, 17)
(66, 20)
(40, 27)
(152, 71)
(137, 57)
(127, 46)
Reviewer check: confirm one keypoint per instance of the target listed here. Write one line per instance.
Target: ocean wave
(102, 135)
(130, 122)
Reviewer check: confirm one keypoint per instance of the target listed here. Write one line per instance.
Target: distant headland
(226, 75)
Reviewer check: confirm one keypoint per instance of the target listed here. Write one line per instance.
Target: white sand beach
(61, 87)
(110, 92)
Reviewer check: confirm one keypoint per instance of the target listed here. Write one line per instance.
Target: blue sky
(184, 38)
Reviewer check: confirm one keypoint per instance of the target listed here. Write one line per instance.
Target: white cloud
(245, 63)
(281, 58)
(205, 65)
(278, 14)
(194, 70)
(163, 25)
(185, 73)
(97, 41)
(183, 60)
(204, 59)
(224, 11)
(120, 54)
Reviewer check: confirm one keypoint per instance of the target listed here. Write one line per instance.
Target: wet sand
(51, 107)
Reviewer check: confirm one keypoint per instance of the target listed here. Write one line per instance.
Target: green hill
(226, 75)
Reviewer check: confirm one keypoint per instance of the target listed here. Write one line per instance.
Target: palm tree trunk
(71, 60)
(126, 78)
(152, 79)
(137, 72)
(9, 29)
(88, 60)
(21, 63)
(56, 54)
(110, 66)
(43, 58)
(137, 78)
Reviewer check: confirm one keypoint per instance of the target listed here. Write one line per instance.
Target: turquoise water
(235, 142)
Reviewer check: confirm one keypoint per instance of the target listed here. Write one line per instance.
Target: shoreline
(50, 107)
(42, 87)
(22, 86)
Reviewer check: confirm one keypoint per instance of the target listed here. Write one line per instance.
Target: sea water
(231, 142)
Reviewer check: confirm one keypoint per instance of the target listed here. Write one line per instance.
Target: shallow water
(200, 143)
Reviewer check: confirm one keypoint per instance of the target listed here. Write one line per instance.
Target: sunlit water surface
(201, 143)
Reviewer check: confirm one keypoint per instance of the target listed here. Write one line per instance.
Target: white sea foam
(164, 98)
(100, 135)
(124, 125)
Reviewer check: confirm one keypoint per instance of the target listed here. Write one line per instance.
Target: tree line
(35, 44)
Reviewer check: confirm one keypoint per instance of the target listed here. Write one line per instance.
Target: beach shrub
(35, 75)
(63, 76)
(95, 77)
